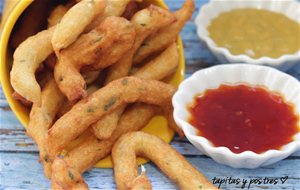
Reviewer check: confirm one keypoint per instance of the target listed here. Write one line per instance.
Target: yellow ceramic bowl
(157, 126)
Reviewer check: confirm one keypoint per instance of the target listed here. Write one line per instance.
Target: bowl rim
(12, 18)
(222, 150)
(240, 57)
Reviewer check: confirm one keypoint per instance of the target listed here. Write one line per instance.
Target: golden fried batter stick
(66, 177)
(74, 22)
(113, 37)
(27, 59)
(167, 35)
(104, 101)
(90, 151)
(141, 182)
(160, 67)
(106, 125)
(157, 69)
(173, 164)
(41, 118)
(55, 186)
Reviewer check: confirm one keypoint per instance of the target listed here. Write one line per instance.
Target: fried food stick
(90, 151)
(27, 59)
(66, 177)
(167, 35)
(41, 118)
(157, 69)
(104, 101)
(160, 67)
(173, 164)
(106, 125)
(141, 182)
(74, 21)
(108, 42)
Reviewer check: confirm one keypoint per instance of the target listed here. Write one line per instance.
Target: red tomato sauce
(244, 118)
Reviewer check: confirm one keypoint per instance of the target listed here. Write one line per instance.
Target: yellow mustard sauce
(256, 33)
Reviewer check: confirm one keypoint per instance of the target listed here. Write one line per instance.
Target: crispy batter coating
(113, 8)
(173, 164)
(27, 59)
(167, 35)
(106, 125)
(141, 182)
(55, 186)
(74, 21)
(113, 37)
(145, 22)
(104, 101)
(160, 67)
(66, 177)
(157, 69)
(56, 14)
(41, 119)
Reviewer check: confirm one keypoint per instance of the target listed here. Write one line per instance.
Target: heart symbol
(283, 179)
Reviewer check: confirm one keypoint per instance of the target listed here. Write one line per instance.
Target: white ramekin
(213, 77)
(211, 10)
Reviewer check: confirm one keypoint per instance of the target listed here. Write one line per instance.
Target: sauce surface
(244, 118)
(256, 33)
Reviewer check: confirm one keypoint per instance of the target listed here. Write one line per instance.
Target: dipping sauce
(244, 118)
(256, 33)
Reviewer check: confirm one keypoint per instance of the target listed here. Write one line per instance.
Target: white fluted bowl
(209, 11)
(213, 77)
